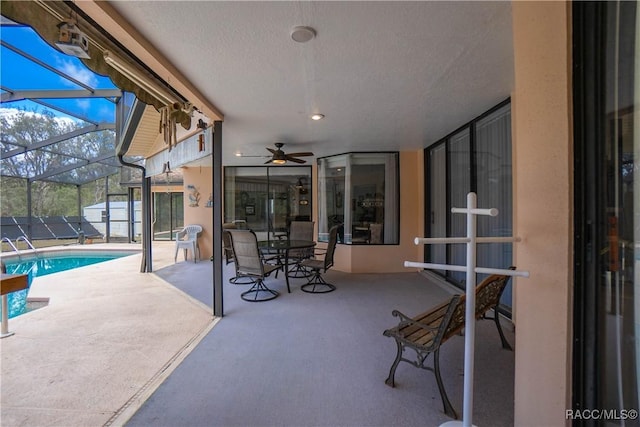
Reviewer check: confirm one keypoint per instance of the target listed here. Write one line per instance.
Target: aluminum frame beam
(59, 138)
(21, 95)
(70, 167)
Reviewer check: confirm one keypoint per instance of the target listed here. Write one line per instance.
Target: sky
(19, 73)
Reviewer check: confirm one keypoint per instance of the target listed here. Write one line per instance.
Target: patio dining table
(284, 246)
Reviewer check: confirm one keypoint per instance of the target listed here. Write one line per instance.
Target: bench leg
(505, 343)
(390, 381)
(448, 408)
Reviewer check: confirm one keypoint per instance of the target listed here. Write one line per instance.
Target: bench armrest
(426, 330)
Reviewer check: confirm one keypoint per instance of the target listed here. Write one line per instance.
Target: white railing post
(4, 330)
(470, 326)
(471, 270)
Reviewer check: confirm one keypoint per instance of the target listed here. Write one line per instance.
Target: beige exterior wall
(391, 258)
(201, 178)
(543, 171)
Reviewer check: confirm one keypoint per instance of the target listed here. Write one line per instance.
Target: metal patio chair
(249, 264)
(300, 230)
(316, 283)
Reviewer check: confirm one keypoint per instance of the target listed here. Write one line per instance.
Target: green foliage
(26, 128)
(13, 196)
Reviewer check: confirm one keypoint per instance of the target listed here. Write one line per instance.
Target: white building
(118, 218)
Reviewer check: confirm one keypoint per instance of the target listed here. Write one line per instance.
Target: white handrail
(481, 270)
(24, 238)
(6, 239)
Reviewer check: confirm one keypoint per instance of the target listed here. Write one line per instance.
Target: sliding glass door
(266, 199)
(477, 158)
(607, 210)
(168, 214)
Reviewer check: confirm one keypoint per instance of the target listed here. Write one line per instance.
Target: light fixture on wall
(301, 185)
(166, 168)
(317, 117)
(135, 76)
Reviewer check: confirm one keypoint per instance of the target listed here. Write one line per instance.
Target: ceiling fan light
(279, 161)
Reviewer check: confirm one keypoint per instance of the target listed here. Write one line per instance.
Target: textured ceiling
(387, 75)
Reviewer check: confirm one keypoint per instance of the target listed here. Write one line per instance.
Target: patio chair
(187, 239)
(249, 264)
(316, 283)
(300, 230)
(227, 247)
(375, 230)
(226, 242)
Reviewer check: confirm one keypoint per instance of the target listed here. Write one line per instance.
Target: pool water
(49, 264)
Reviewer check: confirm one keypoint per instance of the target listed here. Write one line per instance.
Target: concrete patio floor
(110, 346)
(108, 337)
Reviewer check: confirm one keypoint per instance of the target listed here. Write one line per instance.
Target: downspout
(146, 264)
(127, 131)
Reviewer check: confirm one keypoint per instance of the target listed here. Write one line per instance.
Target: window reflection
(360, 192)
(267, 198)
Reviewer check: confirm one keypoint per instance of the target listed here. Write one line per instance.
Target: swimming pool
(43, 263)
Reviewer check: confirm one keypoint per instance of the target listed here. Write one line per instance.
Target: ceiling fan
(280, 158)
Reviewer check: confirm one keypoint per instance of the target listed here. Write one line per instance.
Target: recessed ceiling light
(238, 154)
(317, 117)
(302, 34)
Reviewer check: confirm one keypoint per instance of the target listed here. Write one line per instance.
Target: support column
(29, 212)
(147, 265)
(543, 210)
(107, 210)
(217, 219)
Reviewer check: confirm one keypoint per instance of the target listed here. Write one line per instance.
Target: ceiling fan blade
(271, 150)
(293, 159)
(304, 154)
(268, 161)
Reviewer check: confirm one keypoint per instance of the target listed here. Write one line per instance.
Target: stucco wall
(390, 258)
(543, 168)
(201, 178)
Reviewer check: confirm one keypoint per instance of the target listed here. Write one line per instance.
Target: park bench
(426, 332)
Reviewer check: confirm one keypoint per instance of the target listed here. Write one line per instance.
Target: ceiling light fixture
(126, 70)
(317, 117)
(279, 161)
(302, 34)
(238, 154)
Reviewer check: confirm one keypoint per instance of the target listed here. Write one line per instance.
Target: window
(476, 157)
(168, 214)
(359, 191)
(267, 198)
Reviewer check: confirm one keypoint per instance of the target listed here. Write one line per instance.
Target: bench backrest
(488, 295)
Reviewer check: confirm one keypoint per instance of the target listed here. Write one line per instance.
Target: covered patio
(300, 359)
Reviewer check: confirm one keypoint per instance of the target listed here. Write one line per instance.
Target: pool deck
(92, 356)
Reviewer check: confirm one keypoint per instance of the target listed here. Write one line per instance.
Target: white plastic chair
(187, 239)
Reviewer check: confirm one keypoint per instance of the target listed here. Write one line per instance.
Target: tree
(25, 128)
